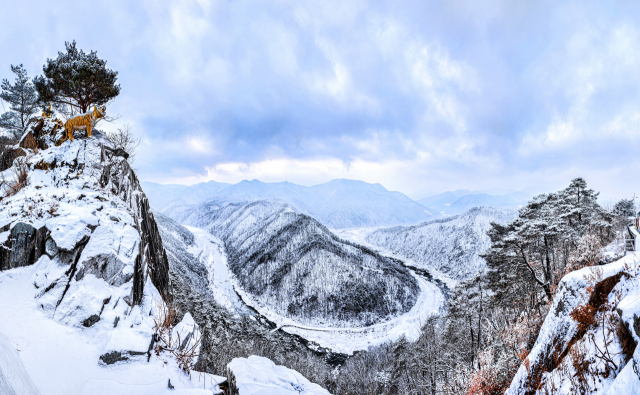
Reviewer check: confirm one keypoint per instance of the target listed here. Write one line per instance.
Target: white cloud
(414, 95)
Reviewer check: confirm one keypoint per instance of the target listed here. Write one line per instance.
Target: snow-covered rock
(259, 376)
(597, 353)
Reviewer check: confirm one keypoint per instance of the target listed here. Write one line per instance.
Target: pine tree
(23, 101)
(536, 246)
(75, 81)
(624, 208)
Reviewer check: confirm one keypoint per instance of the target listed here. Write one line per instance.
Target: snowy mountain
(450, 246)
(445, 198)
(290, 263)
(160, 195)
(337, 204)
(459, 201)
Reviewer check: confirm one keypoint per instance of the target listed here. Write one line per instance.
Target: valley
(243, 245)
(228, 292)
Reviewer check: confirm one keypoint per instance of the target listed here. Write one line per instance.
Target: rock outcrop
(83, 206)
(588, 342)
(23, 246)
(118, 177)
(8, 155)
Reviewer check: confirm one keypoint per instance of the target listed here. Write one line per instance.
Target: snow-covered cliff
(588, 342)
(82, 269)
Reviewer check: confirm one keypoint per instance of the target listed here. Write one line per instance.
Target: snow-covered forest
(291, 263)
(451, 246)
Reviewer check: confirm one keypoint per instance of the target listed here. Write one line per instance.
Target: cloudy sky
(420, 96)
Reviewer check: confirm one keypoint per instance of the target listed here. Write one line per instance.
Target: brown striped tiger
(82, 121)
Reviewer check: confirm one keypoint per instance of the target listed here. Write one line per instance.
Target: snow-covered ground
(14, 378)
(259, 376)
(210, 251)
(64, 359)
(343, 340)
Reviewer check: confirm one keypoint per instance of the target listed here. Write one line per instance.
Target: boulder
(24, 246)
(28, 141)
(119, 356)
(8, 154)
(107, 267)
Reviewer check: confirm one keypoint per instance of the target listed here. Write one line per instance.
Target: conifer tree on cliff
(22, 99)
(75, 81)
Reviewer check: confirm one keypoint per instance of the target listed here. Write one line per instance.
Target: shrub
(185, 351)
(20, 181)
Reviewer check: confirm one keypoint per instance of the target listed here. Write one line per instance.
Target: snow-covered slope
(588, 342)
(14, 379)
(259, 376)
(457, 202)
(192, 251)
(290, 263)
(336, 204)
(161, 195)
(450, 246)
(83, 271)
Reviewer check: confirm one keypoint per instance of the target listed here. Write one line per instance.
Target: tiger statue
(46, 113)
(82, 121)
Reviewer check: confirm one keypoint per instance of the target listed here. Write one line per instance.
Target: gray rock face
(118, 177)
(24, 246)
(9, 155)
(107, 267)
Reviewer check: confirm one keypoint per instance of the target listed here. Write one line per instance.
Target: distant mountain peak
(339, 203)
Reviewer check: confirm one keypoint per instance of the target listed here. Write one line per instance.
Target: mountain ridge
(429, 244)
(292, 263)
(338, 204)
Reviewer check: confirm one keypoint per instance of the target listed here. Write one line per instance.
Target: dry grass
(21, 179)
(185, 351)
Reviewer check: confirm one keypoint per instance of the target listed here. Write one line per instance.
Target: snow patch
(259, 376)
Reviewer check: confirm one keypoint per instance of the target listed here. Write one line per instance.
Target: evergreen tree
(537, 245)
(624, 208)
(23, 101)
(75, 81)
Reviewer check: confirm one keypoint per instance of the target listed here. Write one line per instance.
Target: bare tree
(124, 139)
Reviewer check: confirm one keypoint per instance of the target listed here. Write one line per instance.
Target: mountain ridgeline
(451, 245)
(338, 204)
(461, 200)
(293, 265)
